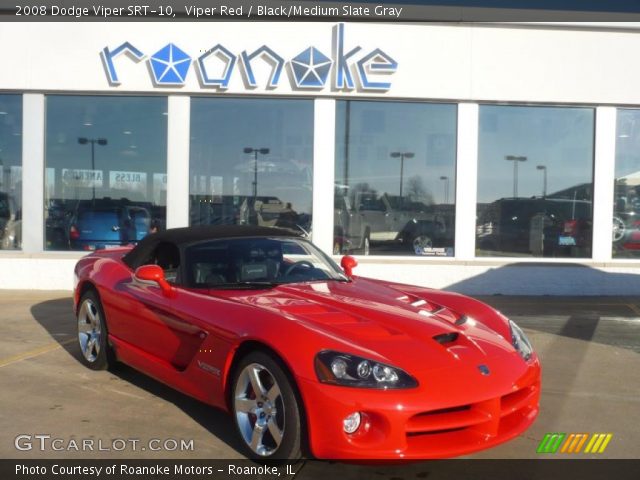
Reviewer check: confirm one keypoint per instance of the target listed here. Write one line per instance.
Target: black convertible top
(188, 235)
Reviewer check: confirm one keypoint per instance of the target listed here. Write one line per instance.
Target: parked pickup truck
(386, 220)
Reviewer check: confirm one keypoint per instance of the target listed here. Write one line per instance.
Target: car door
(351, 221)
(373, 215)
(157, 325)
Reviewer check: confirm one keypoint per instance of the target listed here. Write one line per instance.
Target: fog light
(351, 422)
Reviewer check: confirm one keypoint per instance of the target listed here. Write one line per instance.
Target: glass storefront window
(251, 162)
(535, 181)
(626, 201)
(106, 170)
(10, 172)
(395, 178)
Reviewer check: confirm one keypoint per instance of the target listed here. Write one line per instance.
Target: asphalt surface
(589, 347)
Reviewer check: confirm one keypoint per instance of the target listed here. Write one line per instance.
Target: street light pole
(544, 179)
(93, 141)
(255, 151)
(446, 188)
(515, 159)
(401, 156)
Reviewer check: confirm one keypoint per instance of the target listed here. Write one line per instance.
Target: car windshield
(257, 262)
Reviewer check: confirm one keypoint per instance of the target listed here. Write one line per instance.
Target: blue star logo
(170, 65)
(311, 68)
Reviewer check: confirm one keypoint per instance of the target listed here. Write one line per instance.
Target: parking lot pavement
(589, 347)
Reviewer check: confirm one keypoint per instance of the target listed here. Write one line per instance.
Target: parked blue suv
(102, 226)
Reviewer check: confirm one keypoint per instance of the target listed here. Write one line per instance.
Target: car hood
(377, 321)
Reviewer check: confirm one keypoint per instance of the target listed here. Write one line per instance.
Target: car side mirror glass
(348, 263)
(153, 274)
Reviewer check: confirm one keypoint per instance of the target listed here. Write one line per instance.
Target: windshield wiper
(243, 285)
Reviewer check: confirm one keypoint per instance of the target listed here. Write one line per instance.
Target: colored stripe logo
(574, 443)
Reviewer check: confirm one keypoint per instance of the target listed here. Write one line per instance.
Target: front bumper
(407, 424)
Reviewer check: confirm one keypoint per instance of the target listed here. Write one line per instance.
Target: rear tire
(95, 351)
(265, 408)
(420, 242)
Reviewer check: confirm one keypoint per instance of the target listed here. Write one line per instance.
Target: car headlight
(520, 341)
(353, 371)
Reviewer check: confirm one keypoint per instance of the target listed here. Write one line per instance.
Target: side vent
(461, 321)
(445, 338)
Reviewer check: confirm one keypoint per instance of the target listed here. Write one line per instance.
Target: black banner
(321, 10)
(544, 469)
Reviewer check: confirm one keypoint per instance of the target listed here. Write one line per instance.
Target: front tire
(265, 408)
(95, 351)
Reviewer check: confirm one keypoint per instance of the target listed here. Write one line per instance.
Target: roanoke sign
(346, 69)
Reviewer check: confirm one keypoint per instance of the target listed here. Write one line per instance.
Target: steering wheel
(292, 267)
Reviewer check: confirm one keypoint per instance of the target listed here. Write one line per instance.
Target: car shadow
(56, 317)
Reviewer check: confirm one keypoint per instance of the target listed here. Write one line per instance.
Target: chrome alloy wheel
(420, 243)
(89, 330)
(618, 229)
(259, 409)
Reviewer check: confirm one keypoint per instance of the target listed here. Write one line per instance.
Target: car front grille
(471, 424)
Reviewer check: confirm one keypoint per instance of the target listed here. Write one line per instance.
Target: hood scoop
(446, 338)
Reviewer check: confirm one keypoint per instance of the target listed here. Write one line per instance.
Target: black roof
(200, 233)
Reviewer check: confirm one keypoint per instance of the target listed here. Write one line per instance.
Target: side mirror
(155, 275)
(348, 263)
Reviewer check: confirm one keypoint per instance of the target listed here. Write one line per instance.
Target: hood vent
(461, 321)
(445, 338)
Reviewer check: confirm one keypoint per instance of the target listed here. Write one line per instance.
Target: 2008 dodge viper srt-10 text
(308, 358)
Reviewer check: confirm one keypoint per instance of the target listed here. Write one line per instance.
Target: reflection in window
(395, 178)
(106, 170)
(535, 181)
(626, 204)
(251, 162)
(10, 172)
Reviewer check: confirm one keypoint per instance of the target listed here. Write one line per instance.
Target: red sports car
(307, 357)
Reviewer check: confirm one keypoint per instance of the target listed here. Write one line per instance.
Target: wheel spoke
(88, 348)
(274, 431)
(256, 438)
(245, 405)
(256, 383)
(91, 314)
(84, 327)
(273, 393)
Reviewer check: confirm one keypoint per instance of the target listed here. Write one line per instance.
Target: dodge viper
(308, 358)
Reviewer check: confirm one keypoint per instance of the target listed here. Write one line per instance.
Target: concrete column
(324, 147)
(178, 130)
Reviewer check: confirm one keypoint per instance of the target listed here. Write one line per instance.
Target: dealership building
(480, 158)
